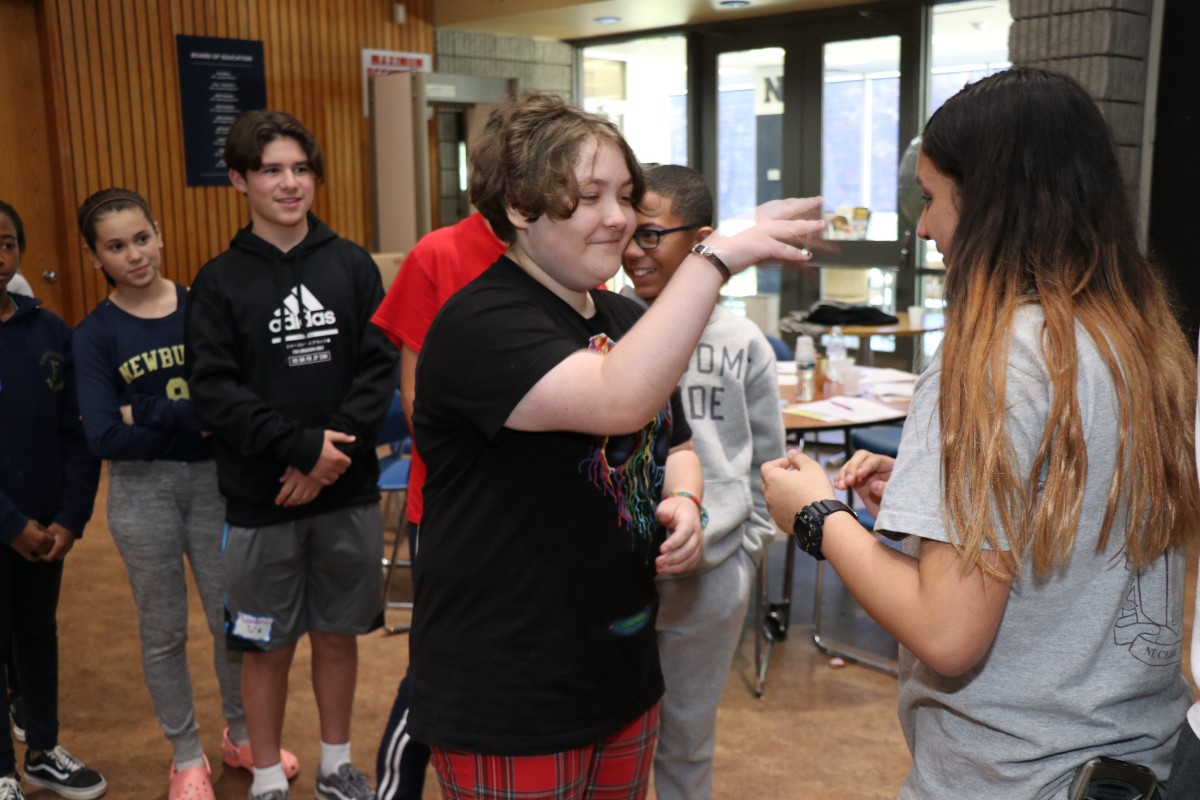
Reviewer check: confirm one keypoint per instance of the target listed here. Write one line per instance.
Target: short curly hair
(525, 159)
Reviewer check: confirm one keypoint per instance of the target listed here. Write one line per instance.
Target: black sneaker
(61, 773)
(16, 712)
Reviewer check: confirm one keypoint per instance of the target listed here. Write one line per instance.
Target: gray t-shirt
(1087, 659)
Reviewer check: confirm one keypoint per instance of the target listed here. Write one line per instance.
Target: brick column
(1104, 45)
(537, 65)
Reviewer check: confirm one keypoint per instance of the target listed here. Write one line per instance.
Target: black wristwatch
(809, 525)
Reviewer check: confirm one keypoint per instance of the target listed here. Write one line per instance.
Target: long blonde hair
(1044, 218)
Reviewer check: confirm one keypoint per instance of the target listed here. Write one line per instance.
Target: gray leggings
(159, 512)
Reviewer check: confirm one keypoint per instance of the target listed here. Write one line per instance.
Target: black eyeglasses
(647, 239)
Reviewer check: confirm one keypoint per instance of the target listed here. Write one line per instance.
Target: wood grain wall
(112, 82)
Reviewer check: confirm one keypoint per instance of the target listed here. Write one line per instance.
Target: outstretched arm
(618, 392)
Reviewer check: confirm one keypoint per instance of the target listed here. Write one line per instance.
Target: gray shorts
(317, 574)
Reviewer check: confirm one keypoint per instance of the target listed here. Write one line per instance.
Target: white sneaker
(10, 788)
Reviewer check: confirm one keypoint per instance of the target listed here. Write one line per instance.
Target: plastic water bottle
(806, 369)
(835, 345)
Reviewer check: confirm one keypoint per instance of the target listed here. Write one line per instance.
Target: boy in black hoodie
(294, 381)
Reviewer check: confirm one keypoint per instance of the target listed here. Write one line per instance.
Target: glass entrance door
(817, 109)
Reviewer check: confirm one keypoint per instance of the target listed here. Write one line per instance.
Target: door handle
(50, 276)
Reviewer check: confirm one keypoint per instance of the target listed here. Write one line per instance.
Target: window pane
(642, 87)
(749, 148)
(970, 41)
(860, 128)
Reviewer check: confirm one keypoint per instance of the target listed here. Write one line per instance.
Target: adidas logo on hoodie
(302, 318)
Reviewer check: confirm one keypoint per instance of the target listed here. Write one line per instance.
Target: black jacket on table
(281, 347)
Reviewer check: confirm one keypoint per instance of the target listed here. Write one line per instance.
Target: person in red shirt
(440, 264)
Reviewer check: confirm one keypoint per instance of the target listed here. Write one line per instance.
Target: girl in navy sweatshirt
(163, 503)
(47, 486)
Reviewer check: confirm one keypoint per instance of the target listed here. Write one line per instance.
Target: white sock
(333, 756)
(268, 780)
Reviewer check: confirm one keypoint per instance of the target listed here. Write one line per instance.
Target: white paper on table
(884, 375)
(898, 391)
(851, 409)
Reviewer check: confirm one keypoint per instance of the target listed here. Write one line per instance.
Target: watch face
(807, 529)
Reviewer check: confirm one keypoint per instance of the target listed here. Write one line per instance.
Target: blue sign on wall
(218, 79)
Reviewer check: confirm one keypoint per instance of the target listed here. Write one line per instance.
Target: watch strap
(710, 255)
(809, 525)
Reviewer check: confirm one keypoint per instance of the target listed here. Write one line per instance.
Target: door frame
(802, 37)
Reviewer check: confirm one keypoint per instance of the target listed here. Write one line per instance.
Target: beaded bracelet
(696, 500)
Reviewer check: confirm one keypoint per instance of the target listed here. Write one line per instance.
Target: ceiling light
(734, 3)
(608, 20)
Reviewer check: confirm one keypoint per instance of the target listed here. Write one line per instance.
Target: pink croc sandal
(242, 757)
(194, 783)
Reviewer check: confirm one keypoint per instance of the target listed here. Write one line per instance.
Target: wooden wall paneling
(125, 108)
(59, 31)
(112, 102)
(54, 94)
(85, 149)
(165, 142)
(278, 94)
(252, 23)
(299, 58)
(141, 114)
(321, 36)
(326, 77)
(372, 30)
(26, 179)
(59, 23)
(101, 94)
(221, 23)
(345, 115)
(342, 188)
(149, 147)
(122, 104)
(180, 20)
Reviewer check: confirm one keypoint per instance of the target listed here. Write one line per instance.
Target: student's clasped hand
(333, 462)
(34, 542)
(792, 482)
(298, 489)
(63, 540)
(685, 536)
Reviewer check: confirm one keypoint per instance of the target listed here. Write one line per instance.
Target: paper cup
(916, 316)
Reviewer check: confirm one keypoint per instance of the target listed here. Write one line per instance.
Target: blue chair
(884, 439)
(782, 351)
(394, 469)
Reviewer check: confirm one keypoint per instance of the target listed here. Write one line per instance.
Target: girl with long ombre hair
(1045, 483)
